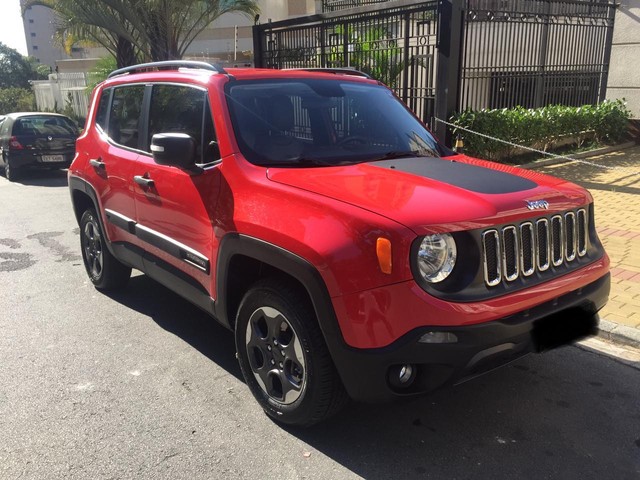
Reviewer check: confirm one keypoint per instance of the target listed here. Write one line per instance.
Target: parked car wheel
(283, 357)
(104, 270)
(11, 173)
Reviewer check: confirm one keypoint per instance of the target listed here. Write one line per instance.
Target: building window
(31, 20)
(33, 34)
(35, 47)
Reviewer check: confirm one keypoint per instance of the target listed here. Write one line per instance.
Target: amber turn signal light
(383, 250)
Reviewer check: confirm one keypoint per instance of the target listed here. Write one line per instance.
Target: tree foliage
(16, 70)
(15, 99)
(140, 30)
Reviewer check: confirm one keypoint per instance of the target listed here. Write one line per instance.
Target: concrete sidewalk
(616, 193)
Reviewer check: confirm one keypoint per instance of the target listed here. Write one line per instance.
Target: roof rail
(343, 71)
(168, 65)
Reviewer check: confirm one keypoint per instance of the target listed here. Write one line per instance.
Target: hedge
(541, 128)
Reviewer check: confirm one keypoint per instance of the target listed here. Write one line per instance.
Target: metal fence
(336, 5)
(535, 52)
(476, 53)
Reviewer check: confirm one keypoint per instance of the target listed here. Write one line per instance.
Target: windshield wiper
(397, 154)
(297, 162)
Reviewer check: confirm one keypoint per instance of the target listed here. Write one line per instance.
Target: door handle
(97, 163)
(144, 181)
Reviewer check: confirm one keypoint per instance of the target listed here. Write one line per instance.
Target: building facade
(624, 74)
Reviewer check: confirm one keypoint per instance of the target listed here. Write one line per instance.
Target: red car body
(321, 227)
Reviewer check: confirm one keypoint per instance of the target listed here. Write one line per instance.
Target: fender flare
(297, 267)
(85, 187)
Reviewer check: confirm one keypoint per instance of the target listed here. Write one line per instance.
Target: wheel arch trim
(234, 244)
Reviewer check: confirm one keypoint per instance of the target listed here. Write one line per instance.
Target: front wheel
(283, 357)
(104, 270)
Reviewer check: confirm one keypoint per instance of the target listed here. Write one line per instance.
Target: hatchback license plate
(53, 158)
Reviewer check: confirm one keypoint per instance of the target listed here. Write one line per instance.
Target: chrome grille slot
(520, 250)
(491, 247)
(542, 237)
(583, 229)
(556, 241)
(510, 253)
(570, 235)
(527, 257)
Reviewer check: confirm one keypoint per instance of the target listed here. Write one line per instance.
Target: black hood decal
(462, 175)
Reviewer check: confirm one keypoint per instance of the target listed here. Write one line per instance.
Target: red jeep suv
(314, 215)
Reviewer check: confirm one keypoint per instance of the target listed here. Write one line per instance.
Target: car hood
(439, 194)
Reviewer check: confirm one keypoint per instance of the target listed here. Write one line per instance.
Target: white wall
(624, 72)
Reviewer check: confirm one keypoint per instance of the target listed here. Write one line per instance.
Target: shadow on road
(43, 178)
(565, 414)
(181, 318)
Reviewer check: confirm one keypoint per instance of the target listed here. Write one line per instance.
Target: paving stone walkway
(616, 193)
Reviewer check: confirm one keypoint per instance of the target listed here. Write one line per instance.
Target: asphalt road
(141, 384)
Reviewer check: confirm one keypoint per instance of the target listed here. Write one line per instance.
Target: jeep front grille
(520, 250)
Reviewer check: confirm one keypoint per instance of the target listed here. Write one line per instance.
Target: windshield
(323, 122)
(45, 125)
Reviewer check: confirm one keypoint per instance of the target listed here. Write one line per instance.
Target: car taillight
(14, 144)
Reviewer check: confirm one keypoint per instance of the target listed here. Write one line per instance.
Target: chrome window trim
(498, 279)
(532, 236)
(516, 253)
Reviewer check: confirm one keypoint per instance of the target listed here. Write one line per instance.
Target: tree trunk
(125, 54)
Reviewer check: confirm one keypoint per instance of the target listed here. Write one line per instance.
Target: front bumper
(480, 347)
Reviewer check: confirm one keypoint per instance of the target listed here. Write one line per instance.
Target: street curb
(617, 333)
(578, 156)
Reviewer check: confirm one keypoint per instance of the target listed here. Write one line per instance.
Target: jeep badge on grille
(537, 205)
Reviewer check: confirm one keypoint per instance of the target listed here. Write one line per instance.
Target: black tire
(283, 356)
(104, 270)
(11, 173)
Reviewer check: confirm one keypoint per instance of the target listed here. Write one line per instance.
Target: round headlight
(436, 257)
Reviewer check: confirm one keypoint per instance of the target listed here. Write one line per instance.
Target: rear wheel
(104, 270)
(283, 357)
(10, 172)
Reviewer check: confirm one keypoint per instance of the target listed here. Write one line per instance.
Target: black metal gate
(449, 55)
(394, 45)
(535, 52)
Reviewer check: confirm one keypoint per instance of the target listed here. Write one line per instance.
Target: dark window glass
(33, 34)
(323, 122)
(124, 119)
(178, 109)
(45, 125)
(101, 116)
(35, 47)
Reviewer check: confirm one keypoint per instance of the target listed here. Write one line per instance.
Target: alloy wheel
(276, 355)
(93, 249)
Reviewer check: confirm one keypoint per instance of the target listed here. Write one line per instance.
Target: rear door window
(103, 109)
(125, 115)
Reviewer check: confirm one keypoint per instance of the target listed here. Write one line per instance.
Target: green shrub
(16, 100)
(541, 128)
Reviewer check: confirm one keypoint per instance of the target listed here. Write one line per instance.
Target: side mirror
(174, 149)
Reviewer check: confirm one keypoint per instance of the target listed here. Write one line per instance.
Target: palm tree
(140, 30)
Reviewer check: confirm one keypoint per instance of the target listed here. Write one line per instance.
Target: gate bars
(442, 56)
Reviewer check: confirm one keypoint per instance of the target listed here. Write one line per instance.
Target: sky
(11, 28)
